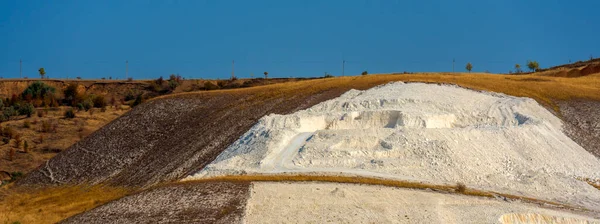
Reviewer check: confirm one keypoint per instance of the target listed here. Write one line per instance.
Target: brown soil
(582, 123)
(209, 202)
(591, 69)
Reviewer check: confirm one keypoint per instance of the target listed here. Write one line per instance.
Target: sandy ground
(272, 202)
(422, 132)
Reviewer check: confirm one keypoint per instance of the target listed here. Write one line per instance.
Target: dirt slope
(167, 138)
(211, 202)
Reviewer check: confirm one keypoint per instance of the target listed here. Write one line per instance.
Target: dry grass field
(50, 205)
(48, 135)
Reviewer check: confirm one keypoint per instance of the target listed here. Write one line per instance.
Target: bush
(27, 109)
(88, 104)
(210, 86)
(40, 113)
(99, 102)
(138, 100)
(71, 95)
(5, 140)
(70, 113)
(328, 76)
(37, 90)
(364, 73)
(129, 96)
(460, 187)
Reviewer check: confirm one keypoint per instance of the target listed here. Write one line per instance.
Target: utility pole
(453, 60)
(126, 69)
(343, 66)
(232, 69)
(21, 68)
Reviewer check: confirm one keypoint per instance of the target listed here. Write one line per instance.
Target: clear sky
(199, 39)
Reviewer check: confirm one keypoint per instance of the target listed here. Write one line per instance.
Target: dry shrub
(40, 113)
(26, 124)
(460, 187)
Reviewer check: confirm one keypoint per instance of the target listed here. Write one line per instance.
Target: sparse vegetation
(69, 113)
(469, 66)
(42, 72)
(533, 65)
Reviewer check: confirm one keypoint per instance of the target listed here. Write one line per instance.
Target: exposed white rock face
(423, 132)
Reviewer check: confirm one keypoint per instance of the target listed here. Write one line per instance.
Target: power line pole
(20, 68)
(453, 60)
(343, 67)
(232, 69)
(126, 69)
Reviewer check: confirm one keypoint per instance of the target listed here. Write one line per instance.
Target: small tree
(517, 68)
(364, 73)
(469, 66)
(533, 65)
(42, 72)
(266, 75)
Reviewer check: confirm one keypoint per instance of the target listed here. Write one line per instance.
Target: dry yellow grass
(336, 178)
(545, 90)
(45, 145)
(50, 205)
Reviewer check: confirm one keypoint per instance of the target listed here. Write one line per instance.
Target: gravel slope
(168, 138)
(215, 202)
(582, 123)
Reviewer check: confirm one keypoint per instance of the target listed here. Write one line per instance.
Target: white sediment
(438, 134)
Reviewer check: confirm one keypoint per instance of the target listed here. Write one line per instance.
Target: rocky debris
(166, 139)
(208, 202)
(582, 123)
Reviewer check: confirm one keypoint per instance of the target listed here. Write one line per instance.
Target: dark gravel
(212, 202)
(582, 123)
(166, 139)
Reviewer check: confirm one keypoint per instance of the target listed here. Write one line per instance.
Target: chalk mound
(439, 134)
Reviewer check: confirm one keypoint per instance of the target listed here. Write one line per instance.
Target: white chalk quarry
(438, 134)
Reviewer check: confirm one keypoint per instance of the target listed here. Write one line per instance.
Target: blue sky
(199, 39)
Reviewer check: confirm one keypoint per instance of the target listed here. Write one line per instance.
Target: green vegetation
(42, 72)
(533, 65)
(469, 66)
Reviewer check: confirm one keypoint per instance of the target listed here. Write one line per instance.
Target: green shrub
(27, 109)
(138, 100)
(364, 73)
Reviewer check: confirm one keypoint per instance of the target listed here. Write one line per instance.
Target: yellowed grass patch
(50, 205)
